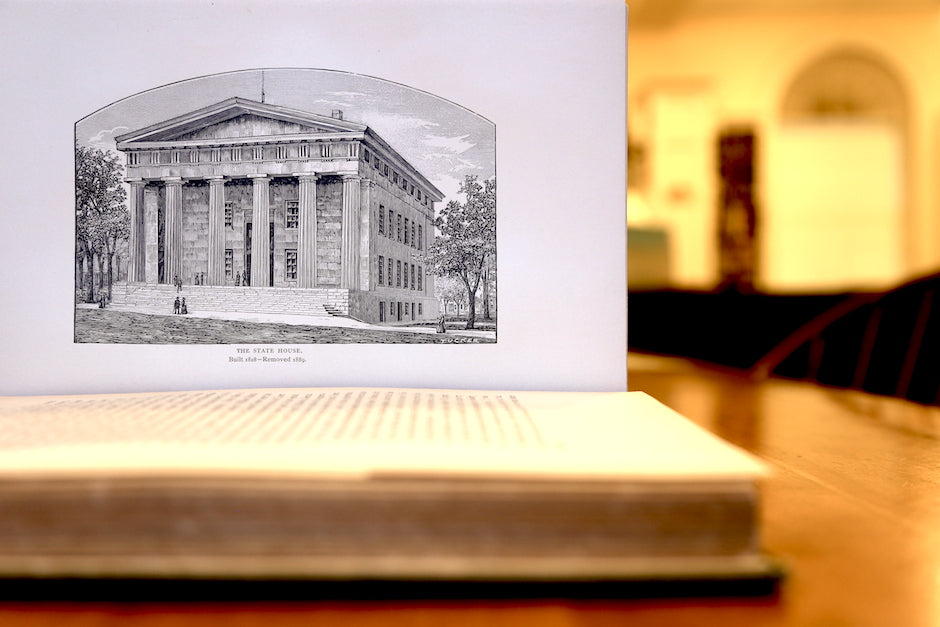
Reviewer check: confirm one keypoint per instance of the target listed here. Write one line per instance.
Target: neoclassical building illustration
(246, 193)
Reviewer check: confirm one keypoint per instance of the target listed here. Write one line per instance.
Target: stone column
(151, 234)
(261, 219)
(307, 230)
(350, 243)
(136, 245)
(173, 253)
(366, 244)
(216, 230)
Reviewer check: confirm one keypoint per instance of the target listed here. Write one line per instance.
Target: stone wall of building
(239, 193)
(368, 307)
(396, 211)
(329, 231)
(281, 192)
(195, 197)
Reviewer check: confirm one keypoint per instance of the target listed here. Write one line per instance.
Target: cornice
(223, 142)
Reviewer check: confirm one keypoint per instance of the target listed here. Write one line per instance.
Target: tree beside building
(101, 219)
(466, 239)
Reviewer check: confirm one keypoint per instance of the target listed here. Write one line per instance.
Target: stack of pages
(371, 484)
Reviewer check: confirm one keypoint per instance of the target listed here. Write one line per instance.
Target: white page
(549, 75)
(365, 433)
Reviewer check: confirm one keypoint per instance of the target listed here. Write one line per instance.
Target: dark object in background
(726, 328)
(886, 344)
(737, 213)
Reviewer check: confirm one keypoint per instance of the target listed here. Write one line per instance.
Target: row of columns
(260, 246)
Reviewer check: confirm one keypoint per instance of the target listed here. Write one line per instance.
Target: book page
(549, 76)
(356, 432)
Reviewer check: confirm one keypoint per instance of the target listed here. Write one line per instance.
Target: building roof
(303, 123)
(232, 108)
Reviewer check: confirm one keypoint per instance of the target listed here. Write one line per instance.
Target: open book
(360, 483)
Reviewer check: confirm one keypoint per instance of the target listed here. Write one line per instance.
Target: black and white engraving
(285, 206)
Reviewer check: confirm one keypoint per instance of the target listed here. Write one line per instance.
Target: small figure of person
(202, 278)
(441, 328)
(176, 305)
(177, 282)
(196, 279)
(183, 309)
(238, 278)
(102, 302)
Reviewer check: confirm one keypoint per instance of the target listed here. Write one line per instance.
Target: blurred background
(784, 187)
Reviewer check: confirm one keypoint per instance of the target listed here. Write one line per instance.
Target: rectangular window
(406, 230)
(419, 194)
(229, 212)
(395, 177)
(292, 209)
(398, 274)
(405, 282)
(229, 262)
(381, 219)
(385, 169)
(366, 156)
(412, 276)
(391, 222)
(399, 227)
(381, 311)
(411, 189)
(381, 269)
(389, 271)
(420, 278)
(420, 309)
(413, 238)
(290, 264)
(420, 237)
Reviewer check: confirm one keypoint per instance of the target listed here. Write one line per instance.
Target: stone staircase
(273, 300)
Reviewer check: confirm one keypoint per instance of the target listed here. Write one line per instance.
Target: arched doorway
(837, 178)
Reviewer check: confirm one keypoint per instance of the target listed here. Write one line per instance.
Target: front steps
(323, 302)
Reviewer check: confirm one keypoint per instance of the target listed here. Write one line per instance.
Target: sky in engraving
(442, 140)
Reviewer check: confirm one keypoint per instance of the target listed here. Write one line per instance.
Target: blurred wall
(843, 101)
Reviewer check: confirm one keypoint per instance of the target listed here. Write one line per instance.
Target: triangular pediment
(239, 118)
(249, 125)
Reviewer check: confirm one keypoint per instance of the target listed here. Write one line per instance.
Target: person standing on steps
(176, 305)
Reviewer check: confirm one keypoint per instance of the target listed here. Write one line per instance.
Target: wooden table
(852, 509)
